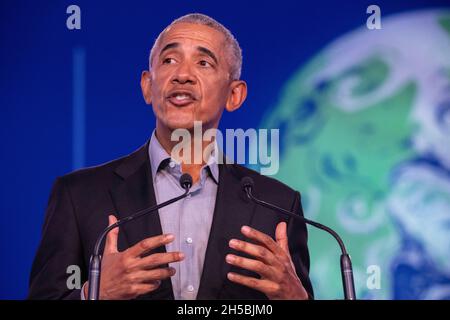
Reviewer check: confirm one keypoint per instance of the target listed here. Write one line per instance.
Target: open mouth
(181, 98)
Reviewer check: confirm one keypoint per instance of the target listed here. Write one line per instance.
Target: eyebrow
(169, 46)
(204, 50)
(208, 53)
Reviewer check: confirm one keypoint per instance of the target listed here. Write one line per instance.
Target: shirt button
(189, 240)
(190, 288)
(172, 164)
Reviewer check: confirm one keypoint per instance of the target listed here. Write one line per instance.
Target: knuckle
(132, 264)
(274, 288)
(262, 253)
(130, 277)
(144, 244)
(134, 289)
(257, 265)
(168, 257)
(125, 268)
(261, 267)
(127, 272)
(151, 259)
(277, 287)
(262, 238)
(158, 257)
(152, 287)
(159, 240)
(253, 282)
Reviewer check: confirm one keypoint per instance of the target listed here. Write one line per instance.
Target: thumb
(281, 237)
(111, 238)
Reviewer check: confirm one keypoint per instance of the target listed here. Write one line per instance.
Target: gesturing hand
(272, 262)
(126, 274)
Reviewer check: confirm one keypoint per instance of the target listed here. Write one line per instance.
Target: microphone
(96, 258)
(346, 263)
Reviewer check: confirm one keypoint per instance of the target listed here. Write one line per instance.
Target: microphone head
(247, 183)
(186, 181)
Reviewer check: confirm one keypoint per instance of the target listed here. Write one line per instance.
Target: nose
(183, 75)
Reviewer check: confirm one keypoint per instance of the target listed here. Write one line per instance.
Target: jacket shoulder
(104, 172)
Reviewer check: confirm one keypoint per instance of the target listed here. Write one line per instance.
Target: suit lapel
(232, 211)
(133, 192)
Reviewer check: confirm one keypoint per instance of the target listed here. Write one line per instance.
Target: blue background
(37, 88)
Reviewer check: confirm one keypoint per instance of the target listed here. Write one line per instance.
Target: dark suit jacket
(80, 203)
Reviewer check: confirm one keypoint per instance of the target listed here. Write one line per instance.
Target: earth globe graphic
(365, 137)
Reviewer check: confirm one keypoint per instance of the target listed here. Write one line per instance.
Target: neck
(190, 163)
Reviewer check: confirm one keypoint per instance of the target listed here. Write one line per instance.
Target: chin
(180, 123)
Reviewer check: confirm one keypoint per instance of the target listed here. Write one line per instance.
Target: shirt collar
(159, 158)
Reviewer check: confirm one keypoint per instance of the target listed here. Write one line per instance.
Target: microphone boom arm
(346, 263)
(96, 258)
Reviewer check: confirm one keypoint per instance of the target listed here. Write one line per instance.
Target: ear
(146, 86)
(237, 95)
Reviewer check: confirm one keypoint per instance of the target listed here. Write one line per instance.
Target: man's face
(189, 78)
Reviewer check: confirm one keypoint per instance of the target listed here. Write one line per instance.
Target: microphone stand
(96, 258)
(346, 263)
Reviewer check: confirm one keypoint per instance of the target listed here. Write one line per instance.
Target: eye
(168, 61)
(204, 63)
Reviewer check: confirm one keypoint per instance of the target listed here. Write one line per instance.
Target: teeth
(181, 97)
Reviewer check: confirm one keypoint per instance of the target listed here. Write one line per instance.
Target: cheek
(160, 79)
(157, 92)
(216, 94)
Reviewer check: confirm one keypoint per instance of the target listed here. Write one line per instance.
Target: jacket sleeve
(59, 248)
(298, 245)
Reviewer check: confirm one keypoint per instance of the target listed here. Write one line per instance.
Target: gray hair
(232, 45)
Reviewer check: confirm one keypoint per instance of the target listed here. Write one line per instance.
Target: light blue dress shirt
(189, 219)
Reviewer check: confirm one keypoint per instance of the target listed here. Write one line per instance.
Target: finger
(254, 250)
(281, 237)
(250, 264)
(157, 259)
(149, 244)
(111, 238)
(262, 238)
(265, 286)
(143, 288)
(148, 276)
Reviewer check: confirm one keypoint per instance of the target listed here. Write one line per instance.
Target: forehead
(196, 34)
